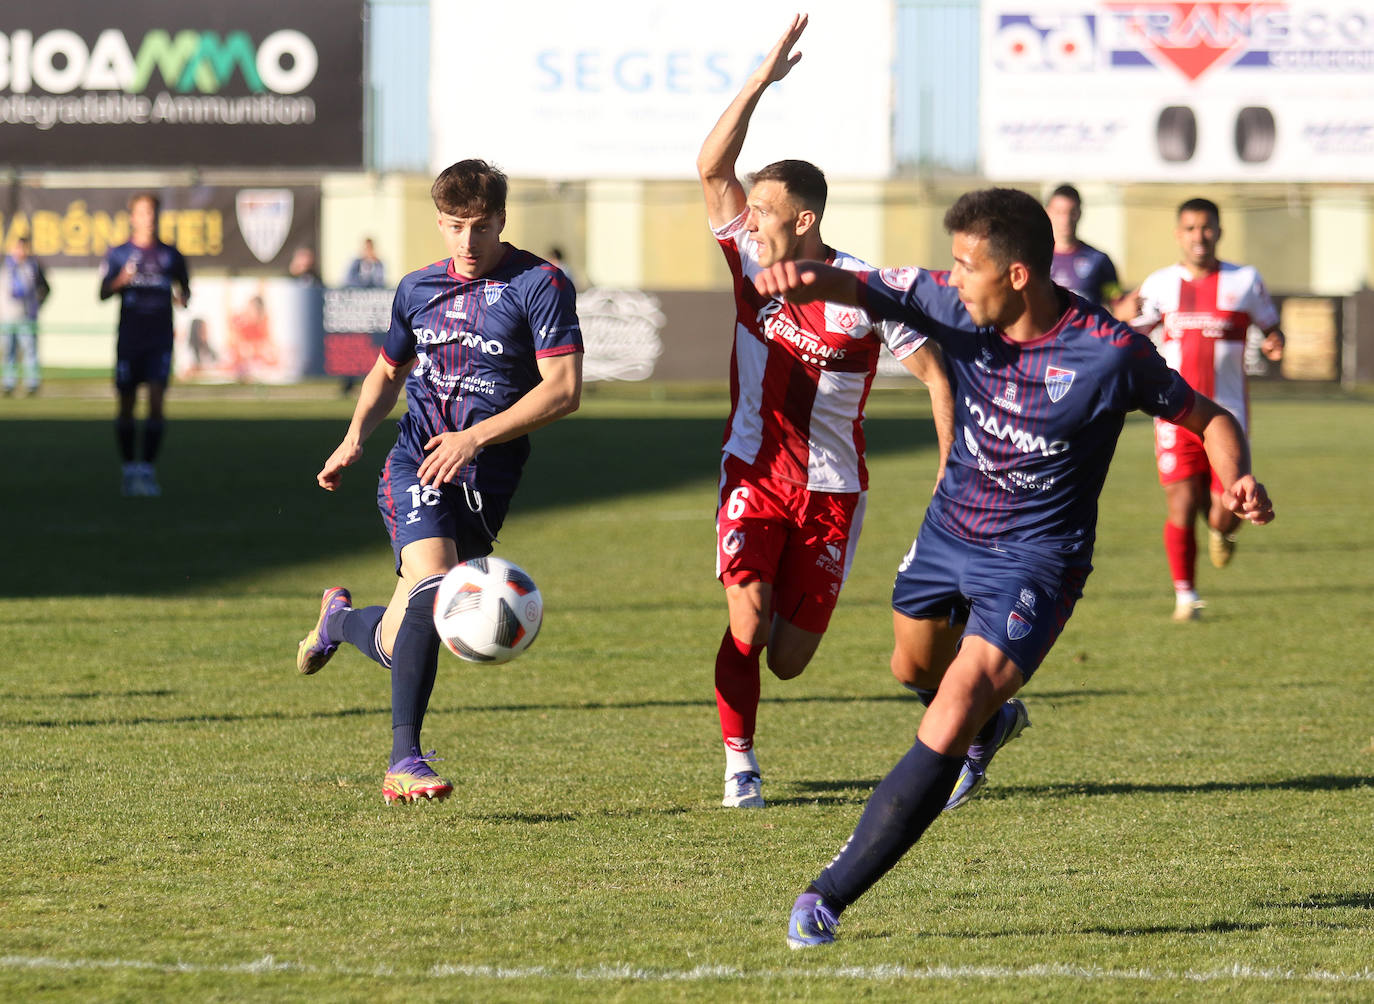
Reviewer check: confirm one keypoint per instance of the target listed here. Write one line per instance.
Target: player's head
(19, 248)
(1198, 230)
(1064, 207)
(786, 202)
(1003, 245)
(471, 198)
(144, 208)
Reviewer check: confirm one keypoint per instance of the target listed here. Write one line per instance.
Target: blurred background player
(1206, 307)
(23, 288)
(303, 268)
(487, 346)
(1006, 545)
(366, 271)
(148, 275)
(793, 481)
(1078, 266)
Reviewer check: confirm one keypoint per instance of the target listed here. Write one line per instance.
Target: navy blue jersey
(1036, 422)
(145, 304)
(478, 342)
(1087, 271)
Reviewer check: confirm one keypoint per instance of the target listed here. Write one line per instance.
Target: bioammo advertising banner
(1158, 91)
(215, 226)
(603, 90)
(157, 83)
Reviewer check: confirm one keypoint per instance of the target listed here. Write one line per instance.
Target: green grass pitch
(184, 817)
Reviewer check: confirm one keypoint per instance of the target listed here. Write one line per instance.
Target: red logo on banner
(1191, 37)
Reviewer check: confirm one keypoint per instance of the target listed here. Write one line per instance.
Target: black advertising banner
(215, 226)
(256, 83)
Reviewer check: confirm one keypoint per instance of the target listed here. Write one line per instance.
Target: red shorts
(1179, 455)
(799, 541)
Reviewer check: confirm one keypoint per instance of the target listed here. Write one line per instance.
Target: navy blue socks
(414, 664)
(360, 628)
(900, 809)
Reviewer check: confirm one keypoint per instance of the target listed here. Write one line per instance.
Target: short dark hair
(1013, 223)
(1200, 206)
(802, 179)
(1067, 192)
(469, 188)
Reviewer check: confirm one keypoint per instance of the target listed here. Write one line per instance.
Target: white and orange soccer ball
(488, 610)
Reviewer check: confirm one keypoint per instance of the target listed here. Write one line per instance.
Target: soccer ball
(487, 610)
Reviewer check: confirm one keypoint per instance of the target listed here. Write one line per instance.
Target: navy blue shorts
(1013, 597)
(145, 366)
(413, 511)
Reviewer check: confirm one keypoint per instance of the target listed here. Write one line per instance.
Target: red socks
(1180, 547)
(737, 691)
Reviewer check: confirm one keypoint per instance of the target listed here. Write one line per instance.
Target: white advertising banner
(552, 89)
(1119, 90)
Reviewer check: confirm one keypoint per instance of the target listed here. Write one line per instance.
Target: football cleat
(743, 791)
(1221, 547)
(316, 648)
(411, 779)
(1012, 718)
(1188, 610)
(147, 482)
(811, 923)
(130, 484)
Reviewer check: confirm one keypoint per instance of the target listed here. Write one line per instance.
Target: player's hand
(345, 455)
(1248, 500)
(786, 280)
(1272, 346)
(780, 60)
(183, 298)
(1128, 307)
(447, 454)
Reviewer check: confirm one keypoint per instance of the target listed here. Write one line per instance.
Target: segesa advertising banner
(155, 83)
(1152, 90)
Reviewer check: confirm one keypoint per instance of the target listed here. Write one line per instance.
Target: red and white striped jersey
(1204, 327)
(800, 375)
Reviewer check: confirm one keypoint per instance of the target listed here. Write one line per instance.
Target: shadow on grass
(1311, 783)
(239, 497)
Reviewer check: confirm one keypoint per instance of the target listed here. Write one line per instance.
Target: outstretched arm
(725, 196)
(807, 282)
(1229, 455)
(380, 392)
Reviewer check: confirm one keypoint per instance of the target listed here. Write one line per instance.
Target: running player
(793, 480)
(148, 275)
(487, 346)
(1078, 265)
(1206, 307)
(1042, 386)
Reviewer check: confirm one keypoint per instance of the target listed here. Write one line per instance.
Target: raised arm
(725, 196)
(1229, 455)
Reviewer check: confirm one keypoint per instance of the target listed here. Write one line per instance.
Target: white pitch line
(268, 965)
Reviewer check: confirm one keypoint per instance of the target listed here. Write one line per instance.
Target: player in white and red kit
(1205, 308)
(793, 479)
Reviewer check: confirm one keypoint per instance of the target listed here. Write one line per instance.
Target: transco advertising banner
(552, 89)
(1155, 91)
(139, 83)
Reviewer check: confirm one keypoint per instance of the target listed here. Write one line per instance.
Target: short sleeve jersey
(145, 304)
(1086, 270)
(478, 342)
(1036, 423)
(800, 376)
(1205, 322)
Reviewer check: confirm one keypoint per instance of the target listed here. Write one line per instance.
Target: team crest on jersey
(900, 279)
(733, 541)
(492, 291)
(1017, 626)
(1058, 381)
(842, 320)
